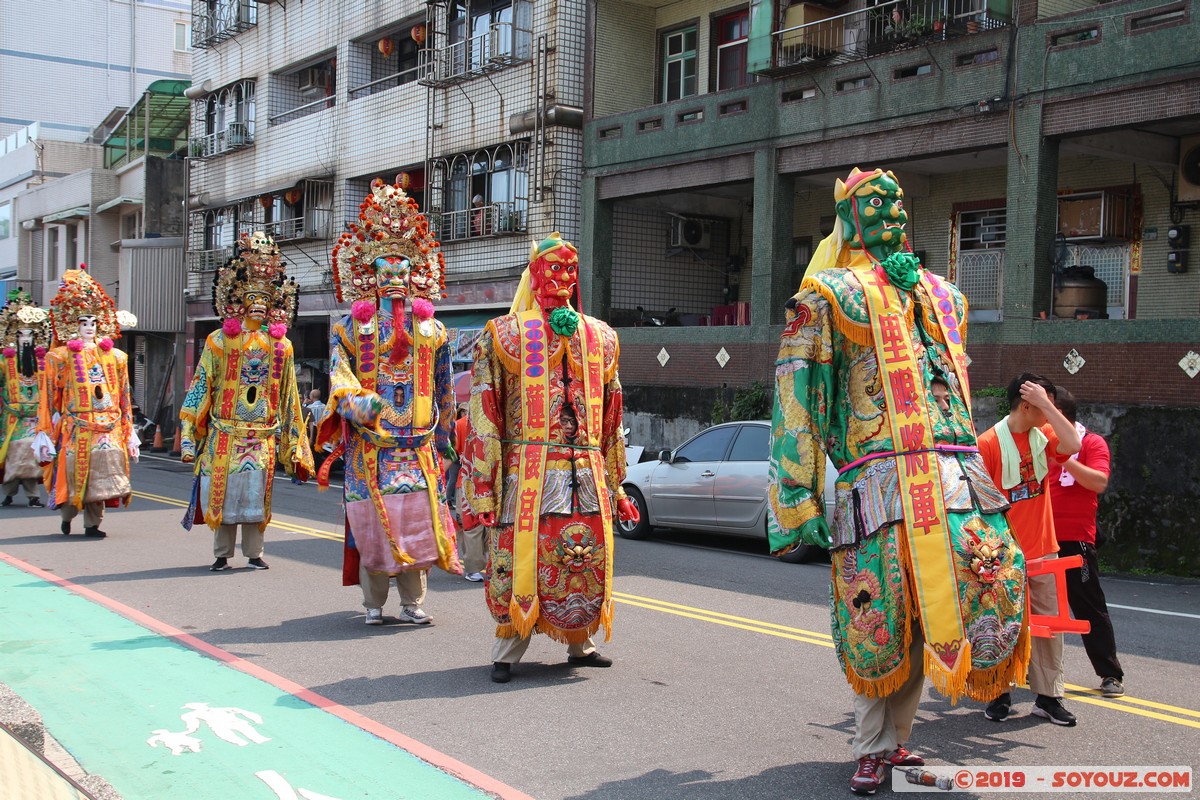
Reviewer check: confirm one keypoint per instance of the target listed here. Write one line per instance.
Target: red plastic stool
(1046, 625)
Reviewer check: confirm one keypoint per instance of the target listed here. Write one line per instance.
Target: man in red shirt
(1075, 488)
(1018, 453)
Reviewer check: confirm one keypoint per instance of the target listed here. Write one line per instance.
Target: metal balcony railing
(496, 219)
(895, 25)
(214, 22)
(199, 284)
(208, 260)
(236, 136)
(502, 45)
(313, 224)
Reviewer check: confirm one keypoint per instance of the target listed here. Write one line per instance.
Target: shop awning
(71, 213)
(123, 200)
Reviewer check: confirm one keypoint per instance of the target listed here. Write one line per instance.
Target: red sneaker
(900, 757)
(869, 776)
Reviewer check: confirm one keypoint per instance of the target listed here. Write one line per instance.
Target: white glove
(43, 448)
(134, 446)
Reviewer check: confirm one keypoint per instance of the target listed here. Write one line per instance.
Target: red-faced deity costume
(85, 411)
(547, 497)
(242, 412)
(391, 397)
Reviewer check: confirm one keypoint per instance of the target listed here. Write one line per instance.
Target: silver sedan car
(716, 481)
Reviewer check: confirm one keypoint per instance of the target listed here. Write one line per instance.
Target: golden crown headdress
(21, 314)
(79, 295)
(389, 224)
(257, 267)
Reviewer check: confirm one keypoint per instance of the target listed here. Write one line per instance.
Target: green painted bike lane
(159, 720)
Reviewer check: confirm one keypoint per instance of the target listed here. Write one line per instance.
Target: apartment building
(1033, 139)
(474, 106)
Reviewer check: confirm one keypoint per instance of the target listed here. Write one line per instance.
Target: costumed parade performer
(544, 465)
(926, 576)
(84, 415)
(242, 411)
(25, 336)
(391, 405)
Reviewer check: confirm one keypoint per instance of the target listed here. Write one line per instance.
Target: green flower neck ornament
(564, 320)
(902, 270)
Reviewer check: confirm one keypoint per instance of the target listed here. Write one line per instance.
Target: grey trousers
(225, 536)
(93, 513)
(375, 586)
(28, 484)
(883, 723)
(510, 651)
(1045, 654)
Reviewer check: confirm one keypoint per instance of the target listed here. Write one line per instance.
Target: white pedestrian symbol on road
(284, 791)
(228, 724)
(175, 742)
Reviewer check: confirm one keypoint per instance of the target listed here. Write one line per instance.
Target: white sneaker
(474, 577)
(374, 616)
(415, 615)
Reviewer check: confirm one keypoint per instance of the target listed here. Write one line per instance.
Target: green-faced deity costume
(919, 536)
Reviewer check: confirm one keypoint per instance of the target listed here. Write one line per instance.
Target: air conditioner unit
(1188, 185)
(692, 233)
(312, 79)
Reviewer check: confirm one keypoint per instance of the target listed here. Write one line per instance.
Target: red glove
(627, 511)
(487, 519)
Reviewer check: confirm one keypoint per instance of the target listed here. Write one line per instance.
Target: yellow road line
(1129, 705)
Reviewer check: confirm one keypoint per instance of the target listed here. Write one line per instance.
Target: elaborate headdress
(80, 296)
(20, 313)
(389, 224)
(257, 267)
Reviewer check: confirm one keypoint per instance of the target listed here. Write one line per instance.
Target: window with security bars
(485, 193)
(979, 271)
(384, 61)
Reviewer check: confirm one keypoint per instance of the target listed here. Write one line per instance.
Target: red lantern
(386, 46)
(404, 180)
(267, 200)
(292, 196)
(418, 34)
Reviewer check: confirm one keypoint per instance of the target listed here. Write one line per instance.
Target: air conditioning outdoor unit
(312, 79)
(1188, 187)
(693, 233)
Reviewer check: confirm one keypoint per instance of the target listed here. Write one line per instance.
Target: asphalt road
(725, 683)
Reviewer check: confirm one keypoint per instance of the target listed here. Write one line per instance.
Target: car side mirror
(664, 456)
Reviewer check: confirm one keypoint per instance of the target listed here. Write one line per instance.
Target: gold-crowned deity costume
(546, 457)
(25, 338)
(84, 409)
(919, 539)
(391, 399)
(242, 411)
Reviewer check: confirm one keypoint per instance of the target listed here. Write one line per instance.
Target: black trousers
(1087, 602)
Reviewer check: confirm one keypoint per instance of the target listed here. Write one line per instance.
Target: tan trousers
(509, 651)
(30, 485)
(883, 723)
(93, 513)
(1046, 654)
(375, 586)
(225, 536)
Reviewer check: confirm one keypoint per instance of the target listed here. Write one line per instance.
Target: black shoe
(999, 709)
(501, 672)
(592, 659)
(257, 563)
(1111, 687)
(65, 528)
(1052, 708)
(95, 533)
(220, 565)
(34, 502)
(7, 501)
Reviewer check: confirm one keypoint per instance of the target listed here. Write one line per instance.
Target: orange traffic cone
(158, 441)
(175, 449)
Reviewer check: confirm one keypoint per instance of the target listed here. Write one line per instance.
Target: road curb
(26, 723)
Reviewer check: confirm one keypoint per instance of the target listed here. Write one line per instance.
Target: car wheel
(799, 554)
(641, 528)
